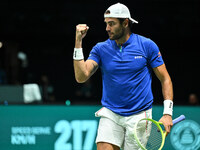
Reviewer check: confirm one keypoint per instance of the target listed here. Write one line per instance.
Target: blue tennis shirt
(126, 73)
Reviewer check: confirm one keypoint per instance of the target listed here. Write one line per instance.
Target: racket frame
(163, 134)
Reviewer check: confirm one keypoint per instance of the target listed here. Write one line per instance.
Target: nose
(107, 28)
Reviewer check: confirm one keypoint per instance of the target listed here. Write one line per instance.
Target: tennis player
(127, 61)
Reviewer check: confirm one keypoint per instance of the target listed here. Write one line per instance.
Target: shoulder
(99, 47)
(147, 43)
(143, 39)
(103, 44)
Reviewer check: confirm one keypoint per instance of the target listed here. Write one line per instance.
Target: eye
(111, 24)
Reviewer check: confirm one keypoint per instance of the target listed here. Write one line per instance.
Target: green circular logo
(186, 135)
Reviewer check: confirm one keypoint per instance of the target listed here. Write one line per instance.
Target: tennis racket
(150, 135)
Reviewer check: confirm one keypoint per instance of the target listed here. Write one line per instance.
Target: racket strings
(155, 138)
(149, 135)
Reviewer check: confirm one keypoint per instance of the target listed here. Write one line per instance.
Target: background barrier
(74, 127)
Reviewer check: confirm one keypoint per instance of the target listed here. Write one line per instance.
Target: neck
(123, 39)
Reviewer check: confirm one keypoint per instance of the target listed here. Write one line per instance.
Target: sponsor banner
(75, 127)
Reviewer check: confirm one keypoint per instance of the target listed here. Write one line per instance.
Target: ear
(125, 23)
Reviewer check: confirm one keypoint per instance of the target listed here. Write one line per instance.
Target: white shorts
(118, 130)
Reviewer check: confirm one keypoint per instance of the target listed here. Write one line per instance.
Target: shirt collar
(129, 41)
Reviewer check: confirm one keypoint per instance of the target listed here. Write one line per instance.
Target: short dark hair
(130, 24)
(107, 12)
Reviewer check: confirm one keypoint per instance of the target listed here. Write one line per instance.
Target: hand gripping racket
(149, 133)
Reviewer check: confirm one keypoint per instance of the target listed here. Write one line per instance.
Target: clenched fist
(81, 31)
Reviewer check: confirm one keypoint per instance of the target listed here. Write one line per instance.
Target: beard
(117, 34)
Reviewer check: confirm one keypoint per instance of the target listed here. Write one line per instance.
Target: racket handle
(178, 119)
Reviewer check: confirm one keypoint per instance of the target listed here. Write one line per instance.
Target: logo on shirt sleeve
(159, 54)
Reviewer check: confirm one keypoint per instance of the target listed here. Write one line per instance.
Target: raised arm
(83, 69)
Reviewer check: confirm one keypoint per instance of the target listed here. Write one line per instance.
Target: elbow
(81, 77)
(80, 80)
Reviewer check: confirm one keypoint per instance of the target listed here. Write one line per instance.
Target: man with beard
(126, 61)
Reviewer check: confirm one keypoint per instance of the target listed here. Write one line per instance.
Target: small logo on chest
(138, 57)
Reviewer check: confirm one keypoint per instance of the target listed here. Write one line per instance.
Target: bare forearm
(167, 89)
(80, 66)
(78, 43)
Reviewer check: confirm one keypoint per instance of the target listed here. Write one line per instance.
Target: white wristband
(168, 107)
(78, 54)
